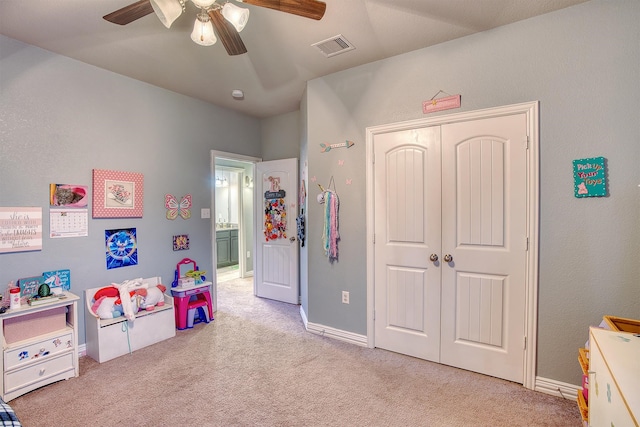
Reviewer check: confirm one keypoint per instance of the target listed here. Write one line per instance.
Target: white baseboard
(82, 350)
(557, 388)
(304, 316)
(543, 385)
(330, 332)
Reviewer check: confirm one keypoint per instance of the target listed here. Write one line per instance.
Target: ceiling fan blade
(130, 13)
(312, 9)
(227, 33)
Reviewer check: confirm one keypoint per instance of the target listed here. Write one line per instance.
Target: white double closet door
(451, 243)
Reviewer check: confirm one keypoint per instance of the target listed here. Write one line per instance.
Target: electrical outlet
(248, 254)
(345, 297)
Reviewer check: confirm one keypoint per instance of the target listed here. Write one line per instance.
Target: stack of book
(38, 300)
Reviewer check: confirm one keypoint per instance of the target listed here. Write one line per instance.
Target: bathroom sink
(226, 226)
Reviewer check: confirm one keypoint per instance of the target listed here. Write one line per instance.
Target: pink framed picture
(117, 194)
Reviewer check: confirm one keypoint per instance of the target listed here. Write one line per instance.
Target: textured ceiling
(280, 57)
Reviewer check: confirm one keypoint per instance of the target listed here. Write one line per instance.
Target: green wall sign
(589, 177)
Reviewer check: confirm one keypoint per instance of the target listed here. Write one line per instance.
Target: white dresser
(614, 378)
(40, 346)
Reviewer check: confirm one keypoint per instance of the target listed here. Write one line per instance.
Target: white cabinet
(40, 346)
(614, 378)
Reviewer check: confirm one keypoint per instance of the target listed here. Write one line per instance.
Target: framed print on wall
(117, 194)
(181, 242)
(121, 247)
(20, 229)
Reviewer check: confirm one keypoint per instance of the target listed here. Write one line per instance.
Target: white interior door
(457, 190)
(484, 196)
(276, 204)
(407, 233)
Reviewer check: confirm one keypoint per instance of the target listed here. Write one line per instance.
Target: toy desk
(183, 294)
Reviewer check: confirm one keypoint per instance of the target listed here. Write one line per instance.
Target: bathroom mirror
(229, 183)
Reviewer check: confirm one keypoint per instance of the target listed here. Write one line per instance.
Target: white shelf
(47, 353)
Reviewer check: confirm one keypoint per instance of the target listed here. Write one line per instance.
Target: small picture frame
(181, 242)
(117, 194)
(29, 286)
(590, 177)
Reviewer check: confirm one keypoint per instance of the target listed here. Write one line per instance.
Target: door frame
(530, 109)
(241, 249)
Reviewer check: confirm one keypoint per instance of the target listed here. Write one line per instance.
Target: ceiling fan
(227, 18)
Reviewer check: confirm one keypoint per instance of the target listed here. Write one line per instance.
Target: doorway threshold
(225, 274)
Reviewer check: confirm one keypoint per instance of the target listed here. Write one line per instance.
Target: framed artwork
(58, 279)
(29, 286)
(183, 207)
(181, 242)
(590, 177)
(121, 248)
(20, 229)
(117, 194)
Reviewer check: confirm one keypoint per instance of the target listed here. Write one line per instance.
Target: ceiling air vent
(334, 46)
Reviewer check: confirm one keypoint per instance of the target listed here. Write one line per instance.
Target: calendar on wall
(68, 223)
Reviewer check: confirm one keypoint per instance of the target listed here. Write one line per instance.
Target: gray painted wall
(583, 65)
(61, 118)
(281, 136)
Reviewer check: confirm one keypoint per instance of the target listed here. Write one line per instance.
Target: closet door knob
(448, 258)
(433, 258)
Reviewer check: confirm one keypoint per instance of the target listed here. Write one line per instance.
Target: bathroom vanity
(226, 246)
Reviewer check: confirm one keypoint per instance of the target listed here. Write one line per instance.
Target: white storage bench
(110, 338)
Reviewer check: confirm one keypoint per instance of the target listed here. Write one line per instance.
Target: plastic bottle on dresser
(14, 298)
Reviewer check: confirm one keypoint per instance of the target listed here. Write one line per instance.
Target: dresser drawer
(614, 393)
(40, 372)
(39, 350)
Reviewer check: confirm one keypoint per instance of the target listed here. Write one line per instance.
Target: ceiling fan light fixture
(203, 33)
(167, 11)
(236, 15)
(203, 4)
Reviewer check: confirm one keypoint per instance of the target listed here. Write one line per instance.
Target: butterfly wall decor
(183, 208)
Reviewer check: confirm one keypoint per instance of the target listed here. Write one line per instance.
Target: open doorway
(233, 240)
(232, 189)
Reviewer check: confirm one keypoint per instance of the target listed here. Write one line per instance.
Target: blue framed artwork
(58, 279)
(29, 286)
(589, 177)
(121, 248)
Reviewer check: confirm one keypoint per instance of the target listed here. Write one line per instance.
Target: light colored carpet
(255, 365)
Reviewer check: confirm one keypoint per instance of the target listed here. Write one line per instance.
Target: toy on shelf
(107, 302)
(152, 297)
(128, 296)
(197, 276)
(105, 308)
(187, 274)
